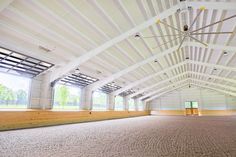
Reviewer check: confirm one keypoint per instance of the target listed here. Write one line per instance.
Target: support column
(46, 94)
(126, 103)
(111, 102)
(136, 104)
(226, 102)
(86, 99)
(201, 100)
(144, 105)
(35, 91)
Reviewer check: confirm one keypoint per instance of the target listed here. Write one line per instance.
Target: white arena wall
(209, 101)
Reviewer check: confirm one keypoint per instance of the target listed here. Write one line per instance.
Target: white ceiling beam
(129, 86)
(213, 46)
(215, 89)
(187, 73)
(101, 83)
(213, 5)
(213, 76)
(215, 84)
(57, 73)
(165, 92)
(133, 84)
(160, 54)
(213, 65)
(156, 84)
(201, 86)
(164, 88)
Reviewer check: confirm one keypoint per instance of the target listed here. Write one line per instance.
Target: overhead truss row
(78, 61)
(187, 84)
(17, 63)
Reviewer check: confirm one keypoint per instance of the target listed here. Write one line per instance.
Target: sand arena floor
(150, 136)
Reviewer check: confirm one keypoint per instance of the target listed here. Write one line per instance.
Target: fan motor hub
(185, 28)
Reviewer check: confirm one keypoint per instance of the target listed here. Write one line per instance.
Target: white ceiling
(98, 35)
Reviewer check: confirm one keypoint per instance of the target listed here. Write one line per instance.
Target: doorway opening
(191, 107)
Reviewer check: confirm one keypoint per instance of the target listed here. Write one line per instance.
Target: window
(194, 104)
(66, 97)
(140, 105)
(119, 103)
(19, 64)
(131, 105)
(99, 101)
(191, 104)
(187, 104)
(14, 91)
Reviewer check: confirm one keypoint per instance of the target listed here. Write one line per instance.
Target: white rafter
(213, 65)
(133, 84)
(165, 92)
(214, 5)
(100, 83)
(164, 88)
(214, 76)
(143, 62)
(215, 89)
(201, 86)
(214, 46)
(187, 73)
(24, 28)
(226, 87)
(57, 73)
(156, 84)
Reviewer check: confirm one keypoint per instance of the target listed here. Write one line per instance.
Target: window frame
(53, 97)
(29, 94)
(106, 103)
(123, 108)
(134, 109)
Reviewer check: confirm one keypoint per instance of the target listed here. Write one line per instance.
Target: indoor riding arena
(117, 78)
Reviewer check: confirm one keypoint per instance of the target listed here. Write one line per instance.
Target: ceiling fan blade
(181, 43)
(161, 36)
(212, 33)
(198, 40)
(159, 21)
(198, 14)
(214, 23)
(166, 42)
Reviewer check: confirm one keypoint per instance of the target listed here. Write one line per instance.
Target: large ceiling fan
(187, 31)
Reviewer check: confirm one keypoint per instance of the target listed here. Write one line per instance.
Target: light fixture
(155, 61)
(137, 36)
(209, 78)
(225, 53)
(165, 73)
(215, 69)
(187, 58)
